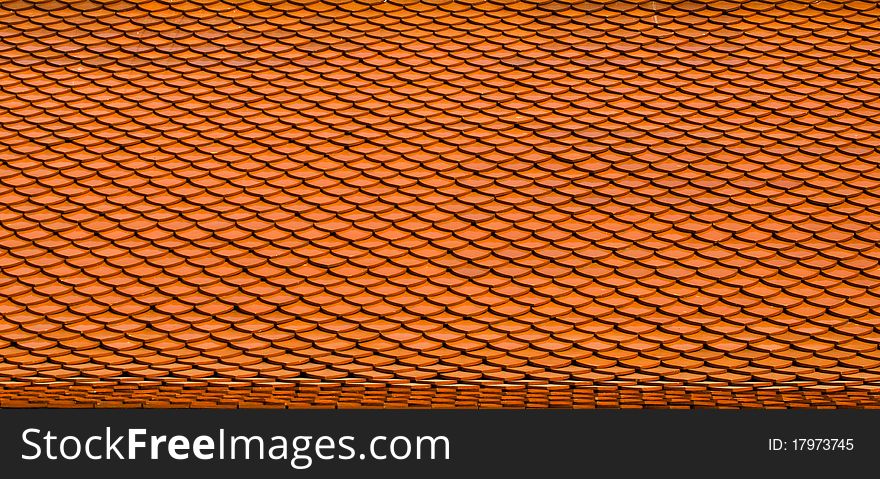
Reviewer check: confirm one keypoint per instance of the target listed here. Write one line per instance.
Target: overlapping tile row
(440, 196)
(317, 394)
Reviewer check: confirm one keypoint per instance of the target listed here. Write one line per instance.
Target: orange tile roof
(399, 203)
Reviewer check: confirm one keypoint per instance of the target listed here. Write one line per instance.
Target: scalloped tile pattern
(440, 203)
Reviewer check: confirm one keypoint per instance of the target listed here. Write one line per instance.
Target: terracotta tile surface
(413, 204)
